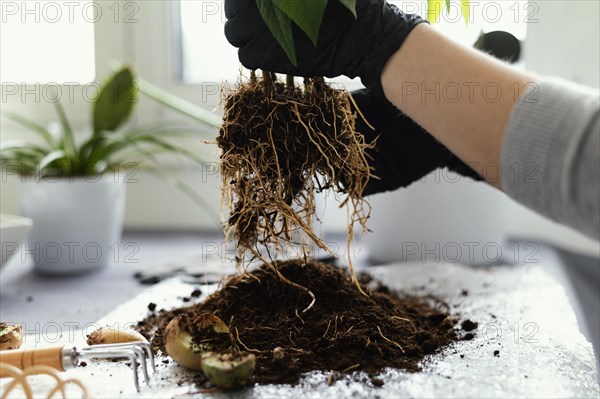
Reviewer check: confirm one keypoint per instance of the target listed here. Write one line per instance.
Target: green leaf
(21, 120)
(466, 10)
(68, 139)
(178, 104)
(307, 14)
(10, 145)
(105, 151)
(116, 101)
(19, 156)
(350, 5)
(448, 5)
(434, 9)
(51, 157)
(280, 26)
(174, 149)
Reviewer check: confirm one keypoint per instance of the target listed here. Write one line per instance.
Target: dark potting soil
(344, 331)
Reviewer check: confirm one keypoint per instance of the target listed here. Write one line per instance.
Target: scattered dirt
(152, 306)
(468, 337)
(378, 382)
(497, 353)
(196, 293)
(469, 325)
(344, 331)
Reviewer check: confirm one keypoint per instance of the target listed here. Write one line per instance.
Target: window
(58, 35)
(206, 56)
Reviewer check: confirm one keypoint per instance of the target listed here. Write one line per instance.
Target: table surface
(55, 305)
(40, 301)
(527, 343)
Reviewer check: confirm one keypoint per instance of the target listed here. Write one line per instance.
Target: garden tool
(63, 358)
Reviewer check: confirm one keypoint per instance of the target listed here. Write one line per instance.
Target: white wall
(565, 40)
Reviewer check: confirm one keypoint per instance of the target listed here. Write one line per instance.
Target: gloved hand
(347, 45)
(404, 152)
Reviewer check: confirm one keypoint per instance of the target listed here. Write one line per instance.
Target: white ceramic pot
(445, 218)
(77, 222)
(13, 230)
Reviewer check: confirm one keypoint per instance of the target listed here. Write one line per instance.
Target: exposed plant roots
(281, 145)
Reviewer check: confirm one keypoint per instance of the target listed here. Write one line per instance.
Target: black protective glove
(347, 45)
(404, 152)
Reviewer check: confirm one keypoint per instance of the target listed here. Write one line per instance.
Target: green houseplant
(72, 186)
(308, 16)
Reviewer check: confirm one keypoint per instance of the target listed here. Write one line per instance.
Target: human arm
(459, 95)
(487, 130)
(538, 140)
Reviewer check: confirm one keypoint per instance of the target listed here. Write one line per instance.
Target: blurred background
(179, 45)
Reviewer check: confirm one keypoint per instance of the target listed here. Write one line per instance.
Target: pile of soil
(344, 331)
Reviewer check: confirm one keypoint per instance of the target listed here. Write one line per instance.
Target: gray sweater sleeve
(551, 154)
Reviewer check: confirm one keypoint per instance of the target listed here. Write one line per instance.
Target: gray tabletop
(43, 302)
(50, 305)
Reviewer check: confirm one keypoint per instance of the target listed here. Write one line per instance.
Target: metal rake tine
(111, 351)
(107, 354)
(144, 345)
(142, 356)
(135, 373)
(149, 353)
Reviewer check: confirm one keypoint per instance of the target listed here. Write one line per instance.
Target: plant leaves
(23, 165)
(21, 120)
(280, 26)
(10, 145)
(308, 15)
(127, 141)
(178, 104)
(434, 9)
(68, 139)
(448, 5)
(466, 10)
(49, 158)
(350, 5)
(116, 101)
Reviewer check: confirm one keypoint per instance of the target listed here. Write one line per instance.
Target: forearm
(461, 96)
(543, 136)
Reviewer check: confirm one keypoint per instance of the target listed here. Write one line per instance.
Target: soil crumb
(469, 325)
(344, 331)
(468, 337)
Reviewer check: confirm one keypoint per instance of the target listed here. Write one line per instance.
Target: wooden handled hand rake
(63, 358)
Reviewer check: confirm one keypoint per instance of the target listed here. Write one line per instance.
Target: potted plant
(72, 187)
